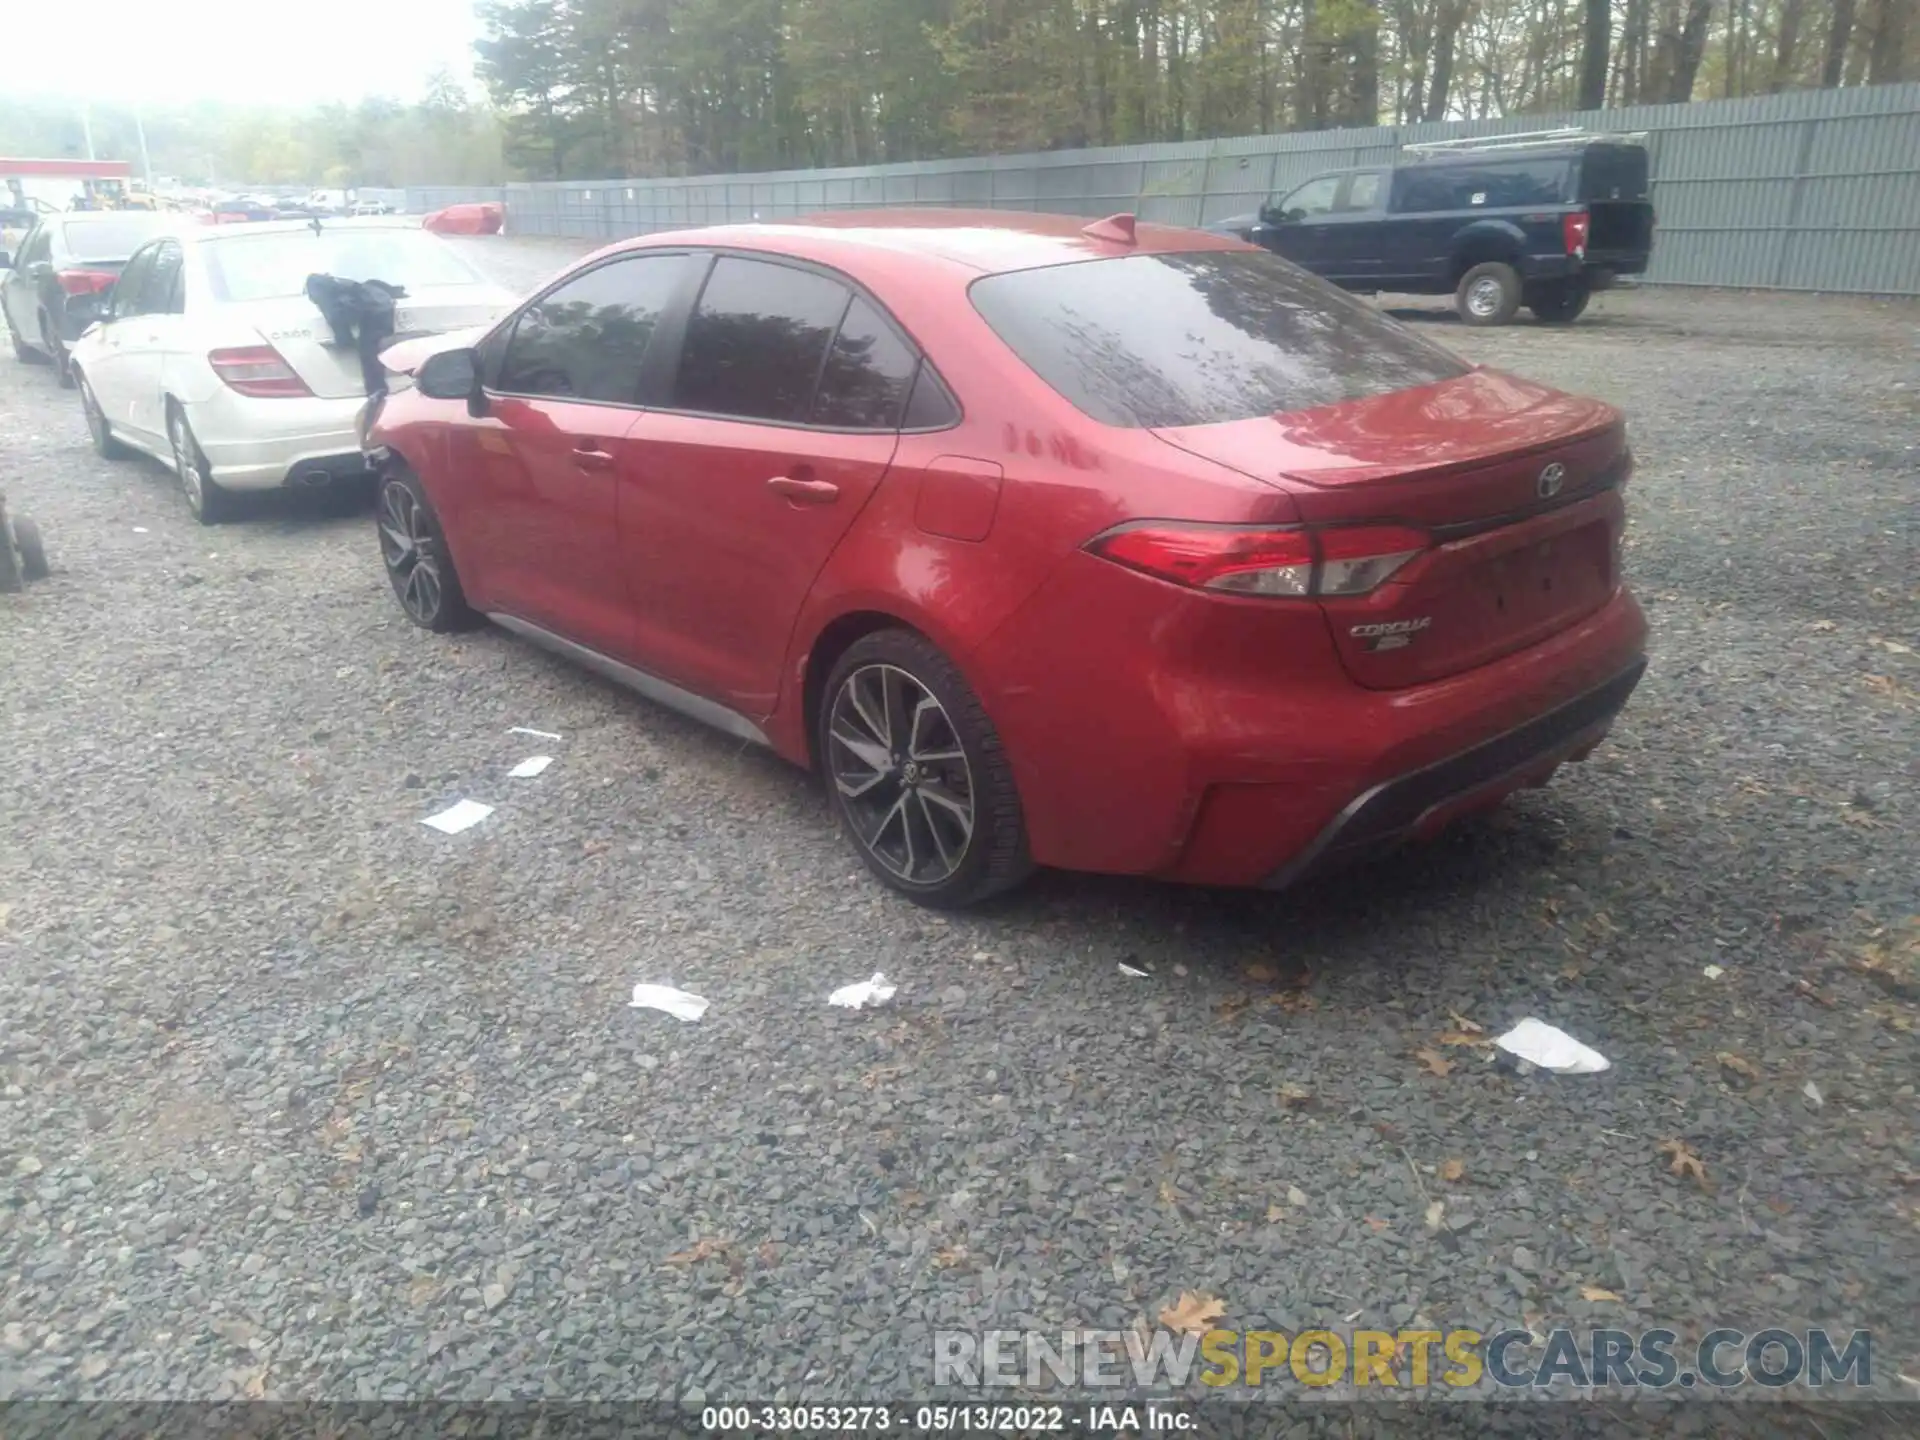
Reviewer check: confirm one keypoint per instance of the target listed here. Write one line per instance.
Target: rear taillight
(259, 371)
(1275, 561)
(85, 282)
(1574, 227)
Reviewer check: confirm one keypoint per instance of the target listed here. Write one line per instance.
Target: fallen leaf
(1463, 1037)
(1170, 1195)
(1435, 1213)
(1231, 1007)
(1296, 1197)
(1730, 1061)
(949, 1256)
(1597, 1292)
(1824, 627)
(1292, 1097)
(1685, 1162)
(1275, 1215)
(1376, 1224)
(1452, 1170)
(1460, 1022)
(1192, 1314)
(703, 1249)
(1294, 1001)
(1435, 1062)
(5, 911)
(1260, 972)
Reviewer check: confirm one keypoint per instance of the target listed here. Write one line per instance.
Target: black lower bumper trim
(1382, 818)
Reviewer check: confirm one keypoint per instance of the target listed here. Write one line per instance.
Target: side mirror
(454, 375)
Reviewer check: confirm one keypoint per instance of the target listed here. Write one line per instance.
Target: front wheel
(1489, 293)
(419, 565)
(1560, 304)
(917, 775)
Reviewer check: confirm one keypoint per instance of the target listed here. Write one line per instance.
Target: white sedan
(211, 357)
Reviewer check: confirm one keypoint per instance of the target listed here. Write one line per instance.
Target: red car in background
(1110, 547)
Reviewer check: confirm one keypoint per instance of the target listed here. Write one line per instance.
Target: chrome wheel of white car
(208, 502)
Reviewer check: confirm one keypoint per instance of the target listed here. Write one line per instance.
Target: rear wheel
(97, 427)
(1560, 304)
(62, 362)
(31, 551)
(1489, 293)
(916, 773)
(207, 501)
(419, 566)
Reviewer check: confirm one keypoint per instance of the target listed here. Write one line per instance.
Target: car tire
(1560, 304)
(414, 550)
(98, 430)
(1488, 294)
(22, 351)
(207, 502)
(896, 724)
(30, 550)
(62, 361)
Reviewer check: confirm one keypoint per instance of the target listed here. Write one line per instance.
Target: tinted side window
(160, 295)
(37, 248)
(1200, 337)
(868, 372)
(129, 291)
(930, 407)
(1423, 190)
(587, 339)
(756, 341)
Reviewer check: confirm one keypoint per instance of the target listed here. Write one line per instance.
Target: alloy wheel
(90, 407)
(406, 544)
(1483, 297)
(902, 774)
(186, 463)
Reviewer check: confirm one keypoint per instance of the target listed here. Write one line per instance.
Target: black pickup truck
(1542, 220)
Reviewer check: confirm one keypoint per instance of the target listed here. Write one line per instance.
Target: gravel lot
(303, 1099)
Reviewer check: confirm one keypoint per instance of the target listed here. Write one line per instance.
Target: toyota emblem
(1550, 481)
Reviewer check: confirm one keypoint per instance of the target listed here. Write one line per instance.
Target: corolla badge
(1550, 481)
(1390, 634)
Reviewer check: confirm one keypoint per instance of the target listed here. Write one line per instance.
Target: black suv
(1541, 219)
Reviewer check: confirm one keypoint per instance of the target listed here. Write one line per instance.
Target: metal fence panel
(1809, 190)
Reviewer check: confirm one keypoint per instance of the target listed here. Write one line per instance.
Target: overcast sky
(245, 51)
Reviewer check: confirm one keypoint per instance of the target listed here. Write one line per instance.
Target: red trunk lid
(1518, 484)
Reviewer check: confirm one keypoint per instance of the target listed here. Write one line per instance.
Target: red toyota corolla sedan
(1110, 547)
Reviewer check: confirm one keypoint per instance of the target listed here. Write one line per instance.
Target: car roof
(975, 242)
(208, 234)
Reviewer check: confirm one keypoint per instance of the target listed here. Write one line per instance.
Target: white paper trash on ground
(1540, 1044)
(462, 816)
(537, 734)
(874, 991)
(530, 767)
(1134, 971)
(677, 1003)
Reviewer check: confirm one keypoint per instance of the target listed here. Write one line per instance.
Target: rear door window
(758, 340)
(130, 290)
(1363, 192)
(587, 339)
(162, 292)
(868, 372)
(1200, 337)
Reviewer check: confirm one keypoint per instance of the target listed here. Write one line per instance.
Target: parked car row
(1111, 546)
(199, 345)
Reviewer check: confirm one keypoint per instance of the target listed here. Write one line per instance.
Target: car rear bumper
(265, 444)
(1384, 817)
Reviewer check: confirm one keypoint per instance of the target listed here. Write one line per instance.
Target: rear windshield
(1200, 337)
(1613, 172)
(242, 268)
(110, 237)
